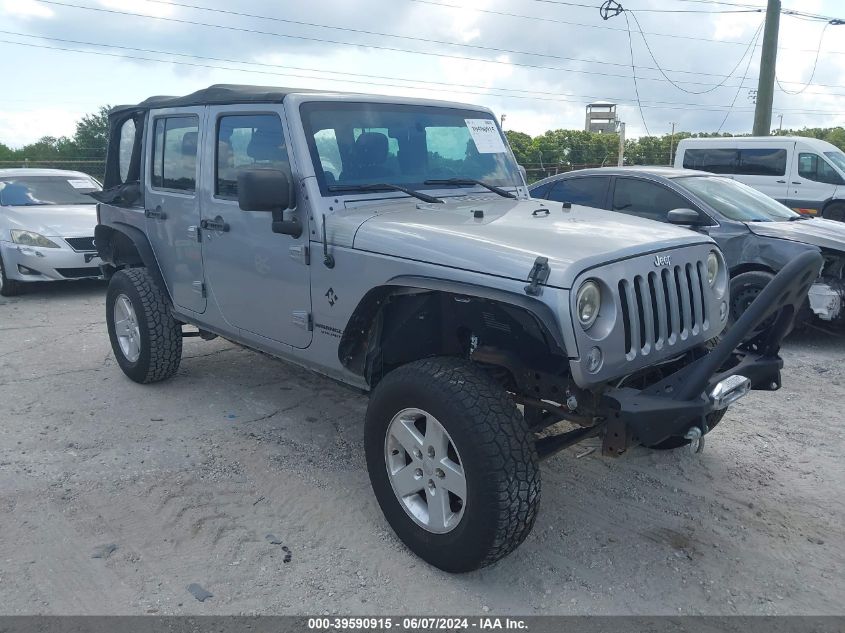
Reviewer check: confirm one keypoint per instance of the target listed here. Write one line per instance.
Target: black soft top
(219, 94)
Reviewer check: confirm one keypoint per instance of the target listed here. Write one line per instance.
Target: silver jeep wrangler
(390, 243)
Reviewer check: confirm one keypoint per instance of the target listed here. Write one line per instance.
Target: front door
(171, 204)
(813, 182)
(258, 279)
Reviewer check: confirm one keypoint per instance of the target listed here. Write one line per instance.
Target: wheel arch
(748, 267)
(411, 318)
(125, 246)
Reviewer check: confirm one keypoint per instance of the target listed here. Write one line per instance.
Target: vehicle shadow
(48, 290)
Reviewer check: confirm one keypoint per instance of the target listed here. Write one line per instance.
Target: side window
(814, 167)
(588, 191)
(247, 141)
(542, 190)
(126, 148)
(717, 161)
(762, 162)
(175, 153)
(645, 199)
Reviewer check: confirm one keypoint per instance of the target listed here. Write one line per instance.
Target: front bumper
(31, 263)
(687, 397)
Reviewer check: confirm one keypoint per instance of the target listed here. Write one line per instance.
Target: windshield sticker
(81, 184)
(486, 136)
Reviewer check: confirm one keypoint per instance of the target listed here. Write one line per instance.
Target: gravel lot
(115, 496)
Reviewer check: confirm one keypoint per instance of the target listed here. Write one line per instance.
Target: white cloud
(22, 127)
(25, 9)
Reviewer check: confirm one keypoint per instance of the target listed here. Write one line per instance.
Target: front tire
(452, 463)
(8, 287)
(146, 340)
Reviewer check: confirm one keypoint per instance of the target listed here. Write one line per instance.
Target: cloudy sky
(537, 61)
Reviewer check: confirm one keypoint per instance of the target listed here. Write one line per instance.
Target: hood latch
(539, 275)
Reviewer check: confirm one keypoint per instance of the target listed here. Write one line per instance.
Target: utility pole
(768, 62)
(671, 144)
(502, 121)
(780, 124)
(620, 127)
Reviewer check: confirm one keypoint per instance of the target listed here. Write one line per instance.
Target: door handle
(780, 182)
(796, 182)
(155, 214)
(215, 225)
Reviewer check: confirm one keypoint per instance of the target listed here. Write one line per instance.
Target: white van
(805, 174)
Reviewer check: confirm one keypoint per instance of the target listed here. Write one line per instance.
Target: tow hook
(696, 440)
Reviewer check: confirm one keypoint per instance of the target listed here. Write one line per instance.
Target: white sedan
(46, 227)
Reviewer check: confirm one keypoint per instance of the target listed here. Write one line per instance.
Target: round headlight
(712, 267)
(587, 303)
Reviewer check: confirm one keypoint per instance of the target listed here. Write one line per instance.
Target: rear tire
(835, 211)
(485, 437)
(145, 338)
(8, 287)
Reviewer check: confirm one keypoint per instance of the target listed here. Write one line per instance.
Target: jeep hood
(817, 232)
(511, 235)
(51, 220)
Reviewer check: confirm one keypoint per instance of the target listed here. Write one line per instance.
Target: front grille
(77, 273)
(81, 244)
(663, 307)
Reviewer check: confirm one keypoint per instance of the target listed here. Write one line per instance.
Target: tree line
(549, 153)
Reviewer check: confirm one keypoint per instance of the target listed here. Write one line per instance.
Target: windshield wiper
(466, 182)
(795, 218)
(384, 186)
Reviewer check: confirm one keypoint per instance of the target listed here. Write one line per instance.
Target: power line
(748, 50)
(739, 89)
(459, 87)
(815, 64)
(572, 4)
(634, 75)
(611, 28)
(373, 46)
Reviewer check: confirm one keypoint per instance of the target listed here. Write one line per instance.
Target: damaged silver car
(757, 234)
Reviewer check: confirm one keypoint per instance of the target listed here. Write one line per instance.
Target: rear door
(258, 279)
(172, 204)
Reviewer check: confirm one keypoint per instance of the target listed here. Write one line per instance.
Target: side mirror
(687, 217)
(269, 190)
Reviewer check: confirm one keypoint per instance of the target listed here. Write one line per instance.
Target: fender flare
(367, 309)
(103, 239)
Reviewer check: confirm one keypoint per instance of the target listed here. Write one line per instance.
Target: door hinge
(300, 254)
(303, 319)
(194, 233)
(199, 288)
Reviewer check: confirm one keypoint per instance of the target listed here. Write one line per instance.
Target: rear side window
(126, 148)
(174, 162)
(646, 199)
(747, 162)
(247, 141)
(762, 162)
(588, 191)
(715, 160)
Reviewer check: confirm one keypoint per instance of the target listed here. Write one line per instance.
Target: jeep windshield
(735, 200)
(32, 191)
(416, 147)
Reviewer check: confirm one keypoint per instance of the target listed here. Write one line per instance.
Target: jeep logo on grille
(662, 260)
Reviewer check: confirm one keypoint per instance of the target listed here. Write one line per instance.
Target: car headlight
(712, 268)
(588, 303)
(28, 238)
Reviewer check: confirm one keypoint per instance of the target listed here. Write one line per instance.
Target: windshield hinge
(538, 275)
